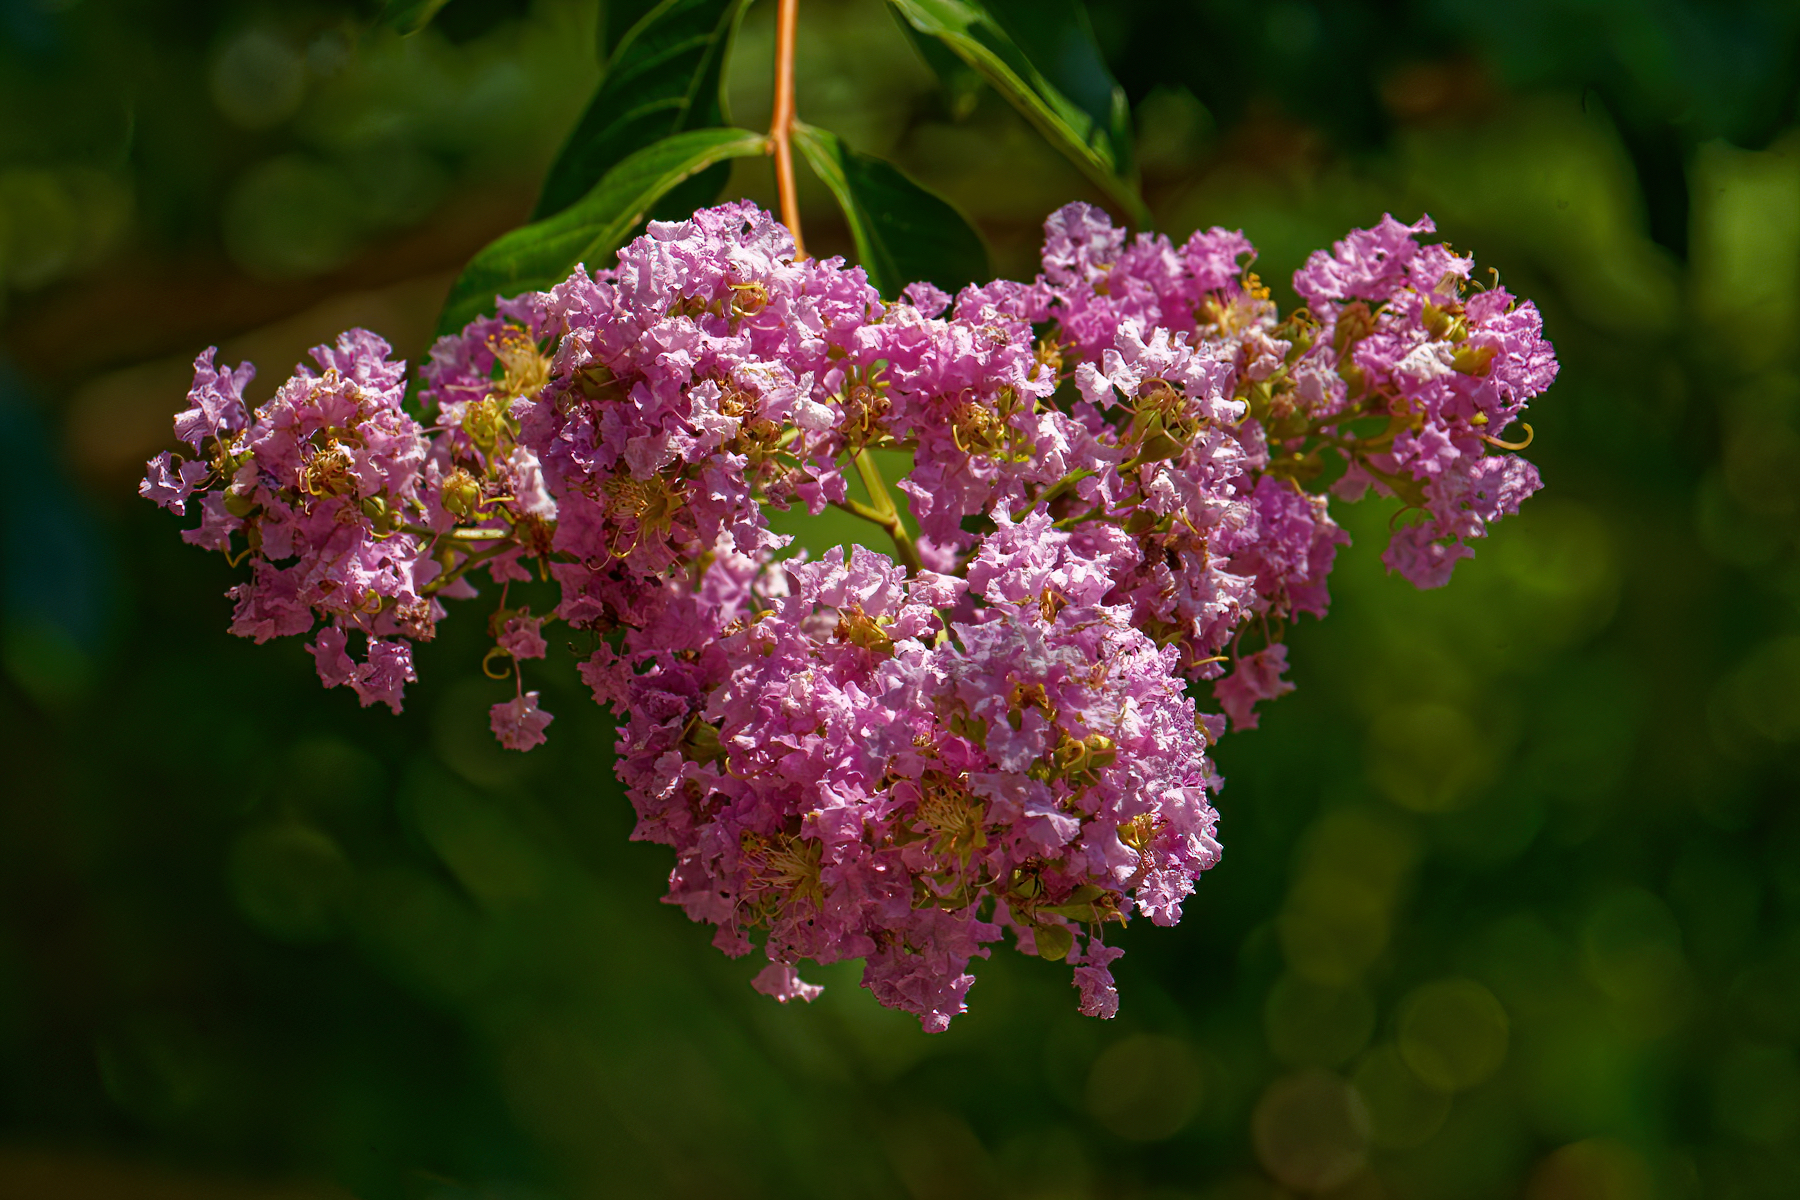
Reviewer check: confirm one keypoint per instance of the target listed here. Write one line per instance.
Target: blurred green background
(1510, 904)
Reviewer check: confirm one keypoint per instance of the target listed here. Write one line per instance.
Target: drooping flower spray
(997, 726)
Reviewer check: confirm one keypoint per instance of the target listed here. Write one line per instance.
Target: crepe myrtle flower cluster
(1117, 502)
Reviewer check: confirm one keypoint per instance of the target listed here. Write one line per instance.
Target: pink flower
(850, 758)
(168, 485)
(519, 723)
(784, 983)
(1094, 980)
(388, 670)
(335, 666)
(380, 679)
(1255, 677)
(521, 638)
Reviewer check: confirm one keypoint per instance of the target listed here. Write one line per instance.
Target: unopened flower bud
(483, 421)
(380, 515)
(701, 743)
(1158, 443)
(461, 494)
(1159, 422)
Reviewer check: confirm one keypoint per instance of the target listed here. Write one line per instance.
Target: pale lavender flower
(519, 723)
(521, 637)
(1254, 678)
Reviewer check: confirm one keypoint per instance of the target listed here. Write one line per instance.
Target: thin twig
(904, 549)
(461, 535)
(455, 573)
(781, 125)
(883, 511)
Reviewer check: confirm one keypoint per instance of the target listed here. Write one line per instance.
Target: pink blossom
(784, 983)
(850, 758)
(519, 723)
(1253, 678)
(521, 637)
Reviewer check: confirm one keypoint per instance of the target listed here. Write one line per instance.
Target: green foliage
(1057, 38)
(542, 254)
(410, 16)
(903, 232)
(1093, 133)
(662, 78)
(617, 19)
(962, 83)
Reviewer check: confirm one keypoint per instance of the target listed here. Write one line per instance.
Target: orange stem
(781, 127)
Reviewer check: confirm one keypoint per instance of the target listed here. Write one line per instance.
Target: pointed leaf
(617, 17)
(542, 254)
(1061, 85)
(663, 78)
(962, 83)
(1057, 37)
(1053, 941)
(903, 232)
(410, 16)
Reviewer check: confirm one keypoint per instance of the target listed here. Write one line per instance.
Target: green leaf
(410, 16)
(1086, 913)
(542, 254)
(903, 233)
(1057, 37)
(962, 83)
(1053, 941)
(663, 77)
(617, 17)
(1040, 55)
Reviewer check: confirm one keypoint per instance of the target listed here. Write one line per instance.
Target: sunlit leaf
(410, 16)
(538, 255)
(1058, 39)
(663, 77)
(962, 83)
(903, 233)
(1040, 55)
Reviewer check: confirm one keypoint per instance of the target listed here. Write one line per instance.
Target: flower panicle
(1120, 483)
